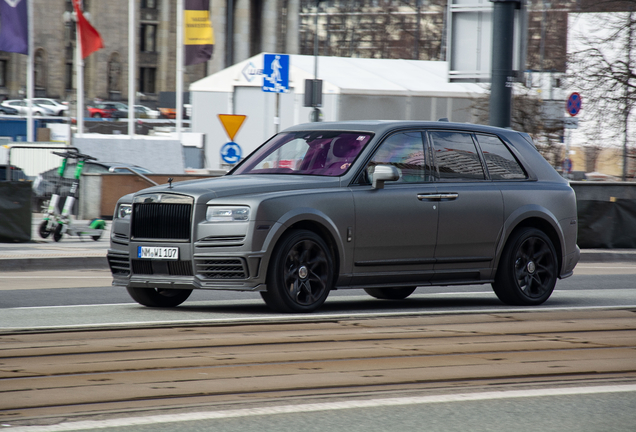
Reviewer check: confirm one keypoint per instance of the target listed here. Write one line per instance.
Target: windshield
(325, 153)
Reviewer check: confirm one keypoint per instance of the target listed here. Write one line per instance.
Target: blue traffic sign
(231, 152)
(574, 104)
(275, 73)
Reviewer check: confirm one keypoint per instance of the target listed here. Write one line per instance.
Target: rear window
(501, 163)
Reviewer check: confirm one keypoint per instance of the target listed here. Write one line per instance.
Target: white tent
(353, 89)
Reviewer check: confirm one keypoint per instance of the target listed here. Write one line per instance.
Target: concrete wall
(157, 155)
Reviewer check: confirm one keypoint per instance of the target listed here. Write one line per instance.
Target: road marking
(326, 406)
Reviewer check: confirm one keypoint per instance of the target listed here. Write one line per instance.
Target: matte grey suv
(381, 205)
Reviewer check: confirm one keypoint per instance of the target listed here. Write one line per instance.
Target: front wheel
(57, 234)
(528, 269)
(390, 293)
(300, 273)
(45, 230)
(158, 297)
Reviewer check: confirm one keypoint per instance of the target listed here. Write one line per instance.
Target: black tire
(390, 293)
(57, 234)
(300, 273)
(44, 229)
(158, 297)
(528, 269)
(96, 237)
(97, 115)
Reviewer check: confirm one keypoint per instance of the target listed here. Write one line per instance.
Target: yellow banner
(198, 28)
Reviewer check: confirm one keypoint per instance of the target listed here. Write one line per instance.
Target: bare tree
(603, 68)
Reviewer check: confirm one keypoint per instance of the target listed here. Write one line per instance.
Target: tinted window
(405, 151)
(501, 164)
(456, 156)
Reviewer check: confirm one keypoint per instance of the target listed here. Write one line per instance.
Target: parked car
(115, 110)
(6, 110)
(15, 173)
(142, 111)
(58, 108)
(45, 184)
(23, 109)
(385, 206)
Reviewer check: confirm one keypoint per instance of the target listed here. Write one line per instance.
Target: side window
(501, 163)
(405, 151)
(456, 156)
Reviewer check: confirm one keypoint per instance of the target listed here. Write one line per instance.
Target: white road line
(326, 406)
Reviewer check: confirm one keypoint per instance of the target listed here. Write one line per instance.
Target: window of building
(3, 73)
(405, 151)
(149, 4)
(456, 156)
(148, 41)
(147, 79)
(501, 163)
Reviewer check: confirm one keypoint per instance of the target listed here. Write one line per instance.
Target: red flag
(89, 37)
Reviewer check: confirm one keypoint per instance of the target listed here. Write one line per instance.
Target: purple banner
(14, 27)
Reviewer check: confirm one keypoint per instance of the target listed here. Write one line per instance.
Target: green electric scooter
(52, 214)
(65, 224)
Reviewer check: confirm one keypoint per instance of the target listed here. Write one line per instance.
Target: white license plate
(163, 253)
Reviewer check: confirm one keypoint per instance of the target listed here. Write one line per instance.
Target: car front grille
(221, 268)
(171, 268)
(163, 221)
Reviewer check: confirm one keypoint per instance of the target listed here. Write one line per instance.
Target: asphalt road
(78, 354)
(52, 299)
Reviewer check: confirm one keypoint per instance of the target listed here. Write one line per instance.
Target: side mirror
(383, 173)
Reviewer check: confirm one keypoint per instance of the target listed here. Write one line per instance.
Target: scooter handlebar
(74, 155)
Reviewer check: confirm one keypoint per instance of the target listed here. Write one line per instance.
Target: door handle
(437, 196)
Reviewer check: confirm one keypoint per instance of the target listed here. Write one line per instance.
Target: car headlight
(123, 211)
(227, 214)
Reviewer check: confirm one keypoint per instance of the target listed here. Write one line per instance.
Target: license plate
(163, 253)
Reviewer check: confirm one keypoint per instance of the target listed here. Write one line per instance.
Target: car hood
(245, 185)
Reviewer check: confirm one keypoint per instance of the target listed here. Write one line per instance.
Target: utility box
(15, 211)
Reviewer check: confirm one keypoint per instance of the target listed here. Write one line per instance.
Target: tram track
(53, 374)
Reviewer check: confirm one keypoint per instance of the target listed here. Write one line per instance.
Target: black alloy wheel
(300, 273)
(159, 297)
(528, 269)
(390, 293)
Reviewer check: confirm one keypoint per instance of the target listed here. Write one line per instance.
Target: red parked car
(108, 110)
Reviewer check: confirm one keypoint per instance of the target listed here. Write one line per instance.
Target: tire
(528, 269)
(390, 293)
(300, 273)
(158, 297)
(44, 230)
(97, 115)
(57, 234)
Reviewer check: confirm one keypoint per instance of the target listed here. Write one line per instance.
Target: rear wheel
(528, 269)
(97, 115)
(158, 297)
(390, 293)
(300, 273)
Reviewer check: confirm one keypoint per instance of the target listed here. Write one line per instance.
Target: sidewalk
(70, 252)
(85, 253)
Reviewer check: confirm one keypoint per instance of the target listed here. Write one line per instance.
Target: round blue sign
(574, 104)
(231, 153)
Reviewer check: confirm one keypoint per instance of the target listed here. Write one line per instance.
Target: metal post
(502, 75)
(314, 99)
(132, 47)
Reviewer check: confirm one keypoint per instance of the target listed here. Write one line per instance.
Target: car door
(396, 226)
(470, 209)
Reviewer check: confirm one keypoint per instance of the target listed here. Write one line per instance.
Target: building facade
(241, 28)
